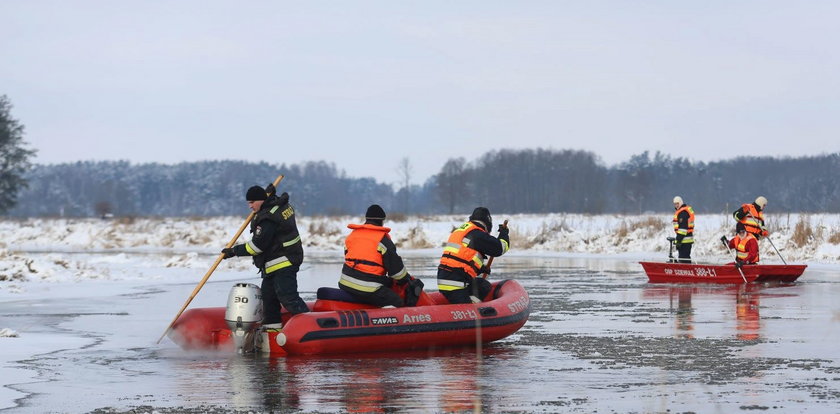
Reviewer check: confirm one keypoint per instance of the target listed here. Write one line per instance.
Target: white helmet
(678, 200)
(761, 202)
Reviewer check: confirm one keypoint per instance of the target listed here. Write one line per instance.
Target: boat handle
(328, 322)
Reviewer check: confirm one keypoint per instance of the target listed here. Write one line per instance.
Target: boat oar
(723, 240)
(213, 268)
(490, 262)
(777, 250)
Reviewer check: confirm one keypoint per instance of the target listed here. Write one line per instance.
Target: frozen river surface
(599, 339)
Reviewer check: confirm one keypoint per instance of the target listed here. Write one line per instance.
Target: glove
(724, 241)
(416, 285)
(484, 270)
(765, 233)
(228, 252)
(404, 280)
(270, 190)
(739, 264)
(503, 231)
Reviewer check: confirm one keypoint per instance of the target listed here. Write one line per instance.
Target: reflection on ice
(749, 320)
(741, 302)
(439, 381)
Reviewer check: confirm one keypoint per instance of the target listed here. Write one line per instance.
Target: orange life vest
(741, 252)
(753, 220)
(688, 233)
(456, 254)
(363, 250)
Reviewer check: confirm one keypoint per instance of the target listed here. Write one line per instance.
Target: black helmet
(482, 215)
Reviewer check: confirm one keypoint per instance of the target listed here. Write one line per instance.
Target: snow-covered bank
(41, 249)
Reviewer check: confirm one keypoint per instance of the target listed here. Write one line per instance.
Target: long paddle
(213, 268)
(777, 250)
(490, 262)
(722, 240)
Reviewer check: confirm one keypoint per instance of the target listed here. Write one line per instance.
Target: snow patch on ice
(8, 333)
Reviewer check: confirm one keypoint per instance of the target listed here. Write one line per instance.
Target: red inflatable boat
(714, 273)
(337, 325)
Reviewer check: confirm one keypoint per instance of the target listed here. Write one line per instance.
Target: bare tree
(404, 171)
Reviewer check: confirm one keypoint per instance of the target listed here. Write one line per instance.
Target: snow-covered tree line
(568, 181)
(509, 181)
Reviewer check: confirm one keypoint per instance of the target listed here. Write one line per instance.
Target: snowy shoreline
(45, 249)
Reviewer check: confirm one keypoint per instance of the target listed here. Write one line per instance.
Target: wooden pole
(213, 268)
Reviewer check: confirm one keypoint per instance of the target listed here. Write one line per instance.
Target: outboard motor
(243, 315)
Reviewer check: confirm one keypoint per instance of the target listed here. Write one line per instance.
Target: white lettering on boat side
(698, 271)
(519, 305)
(417, 318)
(465, 314)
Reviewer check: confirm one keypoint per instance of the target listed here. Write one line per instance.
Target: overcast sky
(364, 84)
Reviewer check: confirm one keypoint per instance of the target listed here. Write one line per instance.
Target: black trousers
(477, 286)
(280, 288)
(383, 296)
(684, 250)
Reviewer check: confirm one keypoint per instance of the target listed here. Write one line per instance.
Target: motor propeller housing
(243, 315)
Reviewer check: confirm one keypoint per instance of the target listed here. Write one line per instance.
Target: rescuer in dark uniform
(277, 252)
(464, 258)
(372, 266)
(684, 228)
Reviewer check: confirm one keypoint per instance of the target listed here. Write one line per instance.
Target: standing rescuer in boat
(464, 255)
(277, 252)
(373, 272)
(745, 245)
(684, 228)
(752, 217)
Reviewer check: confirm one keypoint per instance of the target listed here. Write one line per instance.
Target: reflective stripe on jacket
(753, 219)
(363, 249)
(742, 253)
(286, 248)
(687, 232)
(364, 259)
(458, 255)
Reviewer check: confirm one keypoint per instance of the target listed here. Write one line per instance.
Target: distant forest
(506, 181)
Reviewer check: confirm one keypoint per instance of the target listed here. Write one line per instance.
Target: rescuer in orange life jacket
(464, 256)
(752, 217)
(372, 266)
(684, 229)
(745, 245)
